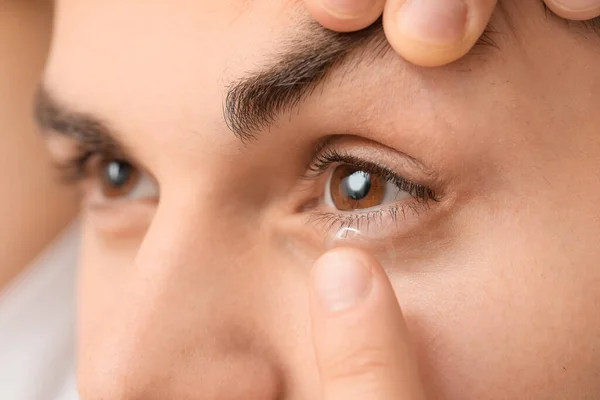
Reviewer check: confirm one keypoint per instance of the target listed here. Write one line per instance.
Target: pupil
(118, 173)
(357, 185)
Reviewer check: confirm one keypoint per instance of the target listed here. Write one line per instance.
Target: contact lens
(380, 247)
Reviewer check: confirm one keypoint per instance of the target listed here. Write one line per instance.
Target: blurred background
(37, 230)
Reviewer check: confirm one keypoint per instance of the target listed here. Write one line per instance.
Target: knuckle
(366, 363)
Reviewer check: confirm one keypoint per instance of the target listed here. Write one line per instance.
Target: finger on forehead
(435, 32)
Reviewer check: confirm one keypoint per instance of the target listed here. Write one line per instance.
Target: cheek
(230, 302)
(103, 279)
(506, 307)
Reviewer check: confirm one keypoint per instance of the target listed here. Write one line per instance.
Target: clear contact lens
(380, 247)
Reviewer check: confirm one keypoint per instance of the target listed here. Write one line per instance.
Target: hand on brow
(430, 32)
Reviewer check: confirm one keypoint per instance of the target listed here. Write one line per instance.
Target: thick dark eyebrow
(253, 103)
(90, 132)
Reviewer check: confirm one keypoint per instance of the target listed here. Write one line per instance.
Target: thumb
(360, 336)
(432, 33)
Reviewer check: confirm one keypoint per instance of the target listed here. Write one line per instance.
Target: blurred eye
(120, 179)
(350, 188)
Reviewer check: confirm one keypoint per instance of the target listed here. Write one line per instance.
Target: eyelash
(77, 168)
(327, 157)
(322, 163)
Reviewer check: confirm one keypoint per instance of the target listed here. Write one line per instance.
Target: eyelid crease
(332, 144)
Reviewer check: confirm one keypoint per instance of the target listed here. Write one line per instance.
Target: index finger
(360, 336)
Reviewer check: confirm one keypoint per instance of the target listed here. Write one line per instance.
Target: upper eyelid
(319, 165)
(326, 158)
(357, 142)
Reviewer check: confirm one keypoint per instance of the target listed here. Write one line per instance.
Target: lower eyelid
(386, 220)
(121, 218)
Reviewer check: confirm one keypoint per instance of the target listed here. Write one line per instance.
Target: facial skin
(196, 288)
(34, 207)
(430, 33)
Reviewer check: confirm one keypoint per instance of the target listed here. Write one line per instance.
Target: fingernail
(577, 5)
(435, 22)
(347, 8)
(342, 280)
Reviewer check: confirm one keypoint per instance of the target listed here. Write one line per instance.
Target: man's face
(243, 138)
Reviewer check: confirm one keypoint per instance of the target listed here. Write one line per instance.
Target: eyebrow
(254, 102)
(90, 132)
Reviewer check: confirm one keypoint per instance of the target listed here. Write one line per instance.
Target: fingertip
(341, 279)
(433, 33)
(362, 347)
(345, 15)
(576, 10)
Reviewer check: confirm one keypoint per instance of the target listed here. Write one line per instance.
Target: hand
(430, 32)
(360, 336)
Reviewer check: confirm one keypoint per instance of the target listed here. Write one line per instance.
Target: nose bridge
(194, 245)
(193, 313)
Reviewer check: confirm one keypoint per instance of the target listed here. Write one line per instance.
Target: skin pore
(34, 207)
(199, 233)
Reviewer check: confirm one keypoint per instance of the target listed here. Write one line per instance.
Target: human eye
(106, 179)
(120, 179)
(368, 187)
(117, 195)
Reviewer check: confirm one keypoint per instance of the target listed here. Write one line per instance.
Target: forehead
(174, 52)
(181, 29)
(163, 66)
(166, 67)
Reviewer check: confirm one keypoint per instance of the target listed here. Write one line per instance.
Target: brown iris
(117, 178)
(354, 189)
